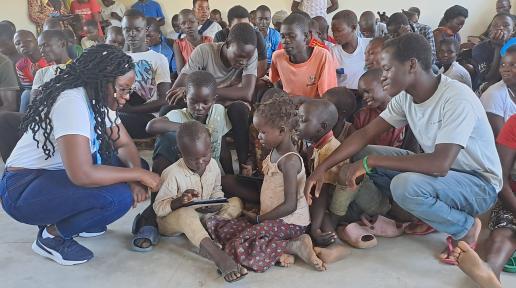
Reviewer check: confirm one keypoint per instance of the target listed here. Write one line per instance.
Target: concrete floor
(408, 261)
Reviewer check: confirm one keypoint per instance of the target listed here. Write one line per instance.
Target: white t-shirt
(70, 116)
(314, 7)
(452, 115)
(212, 30)
(498, 101)
(118, 9)
(45, 74)
(459, 73)
(353, 64)
(151, 69)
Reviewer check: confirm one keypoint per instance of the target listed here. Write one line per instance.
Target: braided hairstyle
(280, 111)
(96, 69)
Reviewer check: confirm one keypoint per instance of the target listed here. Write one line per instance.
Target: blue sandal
(146, 232)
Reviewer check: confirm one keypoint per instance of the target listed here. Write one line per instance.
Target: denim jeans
(449, 204)
(44, 197)
(24, 100)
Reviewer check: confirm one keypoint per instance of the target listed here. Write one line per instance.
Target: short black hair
(91, 23)
(200, 78)
(152, 24)
(297, 20)
(195, 2)
(191, 132)
(415, 10)
(175, 17)
(10, 24)
(325, 112)
(302, 13)
(263, 8)
(237, 12)
(342, 98)
(450, 41)
(411, 45)
(185, 12)
(504, 14)
(216, 11)
(6, 31)
(375, 74)
(347, 16)
(54, 34)
(134, 13)
(242, 33)
(397, 18)
(323, 24)
(452, 13)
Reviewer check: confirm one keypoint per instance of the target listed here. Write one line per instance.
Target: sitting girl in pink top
(184, 46)
(258, 241)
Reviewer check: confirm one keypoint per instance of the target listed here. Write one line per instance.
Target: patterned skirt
(502, 218)
(256, 247)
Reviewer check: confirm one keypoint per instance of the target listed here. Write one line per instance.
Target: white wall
(480, 11)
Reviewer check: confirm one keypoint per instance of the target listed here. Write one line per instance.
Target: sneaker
(66, 252)
(94, 233)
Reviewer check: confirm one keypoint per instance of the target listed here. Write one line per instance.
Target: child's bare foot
(304, 249)
(471, 264)
(333, 253)
(323, 239)
(227, 267)
(470, 238)
(286, 260)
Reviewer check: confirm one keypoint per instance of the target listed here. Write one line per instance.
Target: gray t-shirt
(455, 115)
(206, 57)
(8, 80)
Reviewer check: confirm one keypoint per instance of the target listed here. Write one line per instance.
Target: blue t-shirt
(165, 49)
(272, 41)
(149, 9)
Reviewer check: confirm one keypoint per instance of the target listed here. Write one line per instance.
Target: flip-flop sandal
(146, 232)
(357, 236)
(449, 242)
(238, 268)
(510, 267)
(428, 230)
(384, 227)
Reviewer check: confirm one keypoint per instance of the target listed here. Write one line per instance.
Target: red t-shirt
(26, 70)
(86, 11)
(393, 137)
(507, 137)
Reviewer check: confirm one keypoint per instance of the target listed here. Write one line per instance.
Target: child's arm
(167, 199)
(507, 157)
(161, 125)
(217, 189)
(290, 167)
(180, 62)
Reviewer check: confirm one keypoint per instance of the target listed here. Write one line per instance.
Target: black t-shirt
(223, 34)
(482, 57)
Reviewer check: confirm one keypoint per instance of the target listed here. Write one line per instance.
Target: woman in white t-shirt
(61, 175)
(499, 100)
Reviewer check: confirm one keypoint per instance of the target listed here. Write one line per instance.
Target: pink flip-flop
(428, 230)
(449, 242)
(357, 236)
(384, 227)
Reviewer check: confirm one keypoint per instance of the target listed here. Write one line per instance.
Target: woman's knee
(117, 196)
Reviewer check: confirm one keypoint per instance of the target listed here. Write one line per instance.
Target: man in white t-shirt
(152, 77)
(112, 13)
(349, 52)
(315, 7)
(207, 27)
(458, 175)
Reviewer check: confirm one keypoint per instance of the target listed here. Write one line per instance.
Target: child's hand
(188, 196)
(175, 96)
(209, 209)
(251, 217)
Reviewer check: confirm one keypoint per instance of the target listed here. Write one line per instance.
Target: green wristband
(366, 167)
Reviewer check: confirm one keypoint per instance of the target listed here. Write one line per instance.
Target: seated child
(350, 49)
(346, 103)
(158, 43)
(316, 120)
(92, 36)
(447, 56)
(184, 47)
(115, 37)
(373, 53)
(498, 100)
(302, 71)
(200, 91)
(196, 176)
(259, 241)
(371, 90)
(501, 244)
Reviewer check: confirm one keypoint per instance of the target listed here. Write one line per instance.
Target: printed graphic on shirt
(311, 81)
(145, 83)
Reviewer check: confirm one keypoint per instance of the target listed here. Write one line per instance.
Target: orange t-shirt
(311, 78)
(187, 48)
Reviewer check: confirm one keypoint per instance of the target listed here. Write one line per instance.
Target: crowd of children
(380, 128)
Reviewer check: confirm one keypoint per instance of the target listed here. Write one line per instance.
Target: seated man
(152, 77)
(445, 186)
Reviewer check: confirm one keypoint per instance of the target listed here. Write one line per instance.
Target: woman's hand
(250, 216)
(151, 180)
(140, 192)
(176, 96)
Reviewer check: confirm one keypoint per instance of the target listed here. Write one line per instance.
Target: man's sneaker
(95, 233)
(63, 251)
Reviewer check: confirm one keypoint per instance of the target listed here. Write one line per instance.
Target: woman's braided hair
(96, 69)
